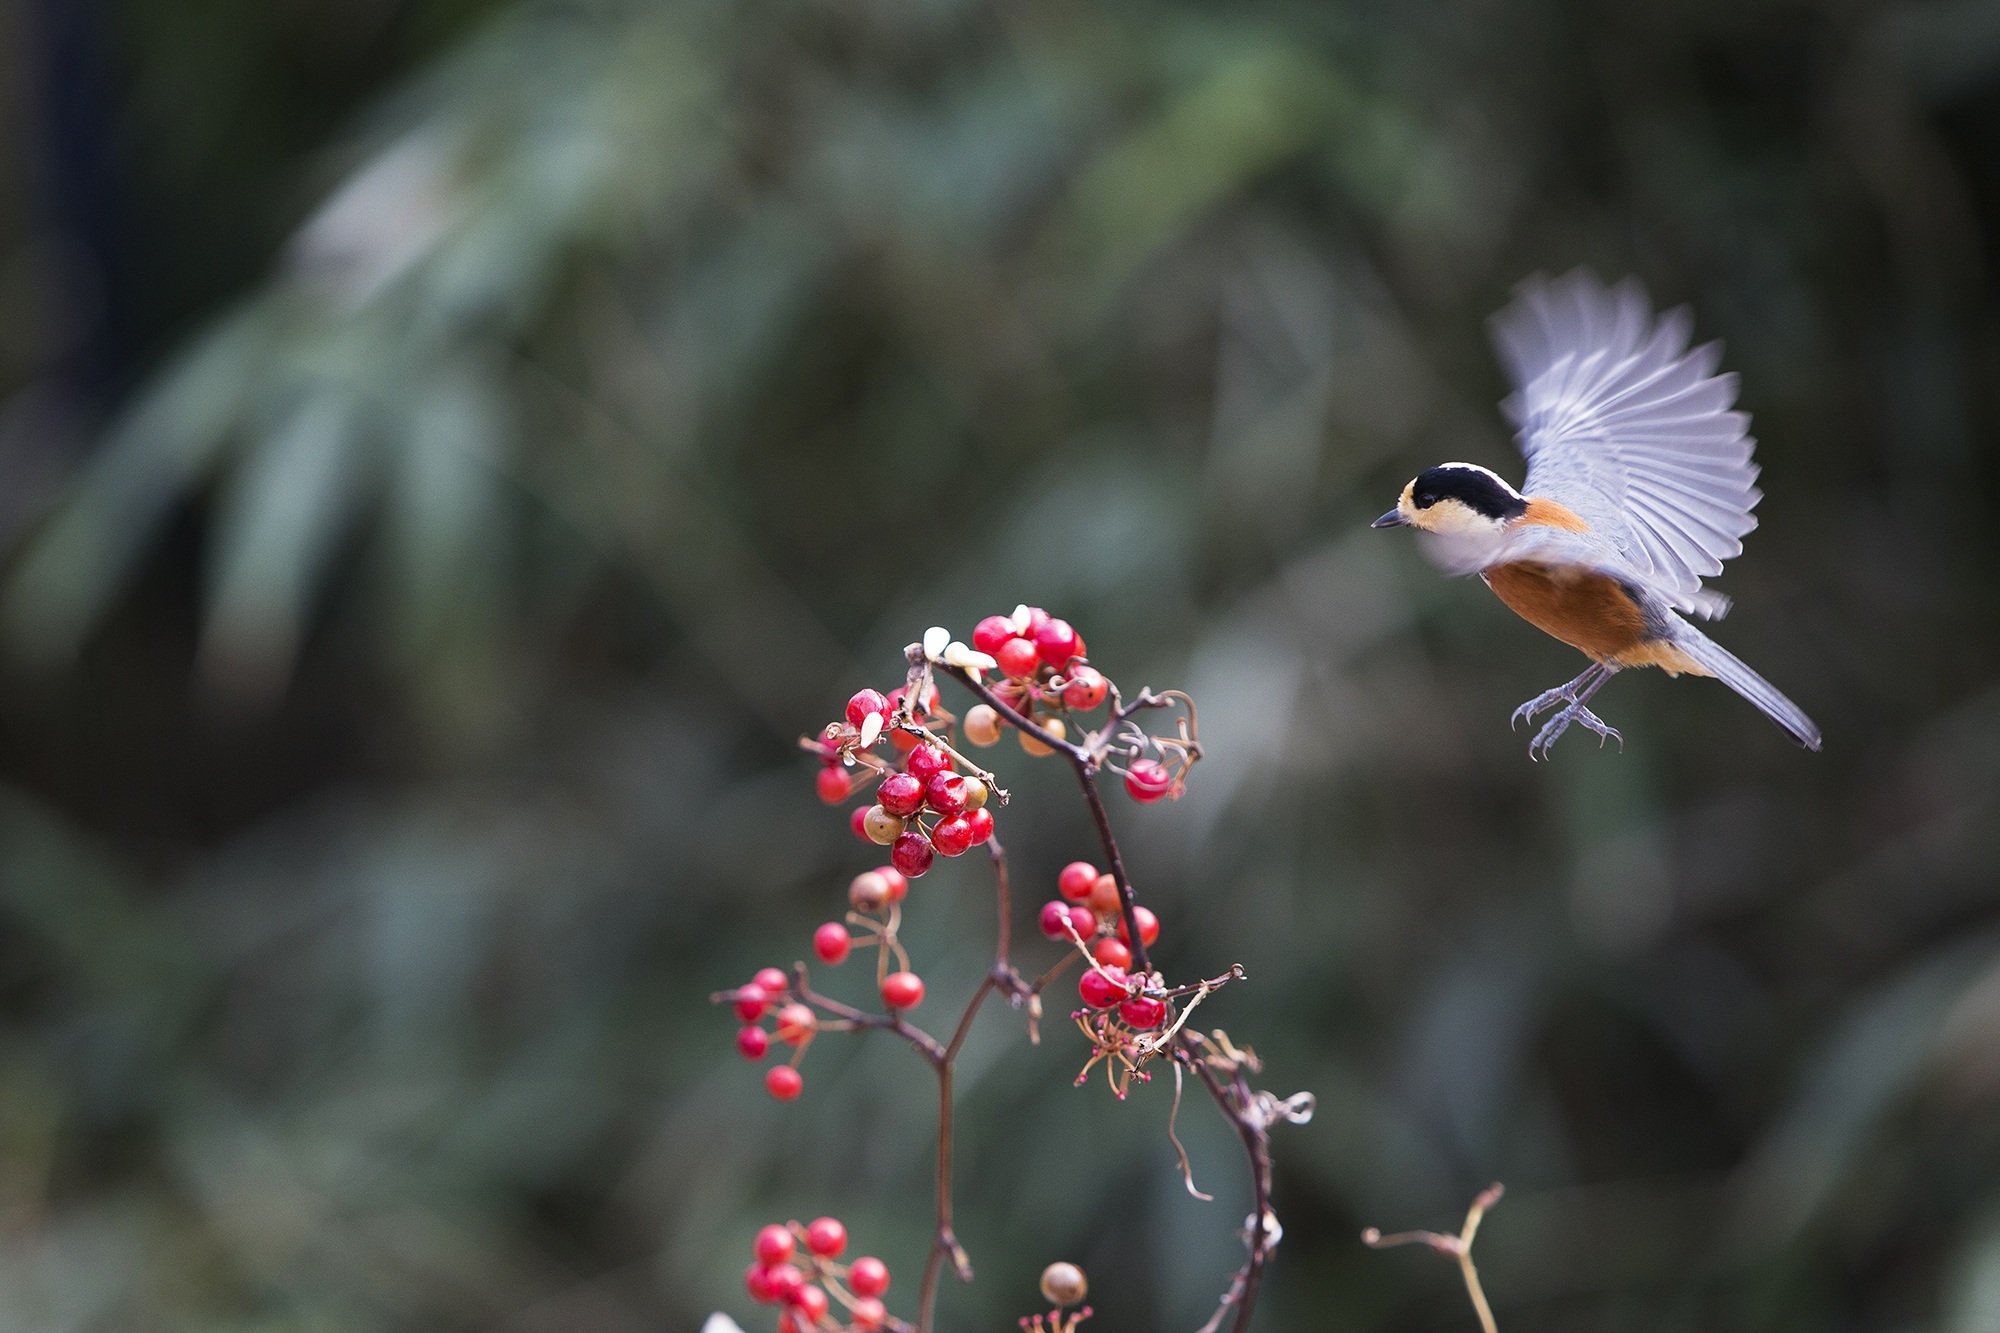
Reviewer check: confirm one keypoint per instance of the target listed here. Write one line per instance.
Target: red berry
(1056, 642)
(990, 633)
(1149, 926)
(981, 821)
(773, 980)
(912, 854)
(945, 793)
(1083, 919)
(1101, 991)
(926, 762)
(1075, 880)
(784, 1279)
(1017, 657)
(753, 1041)
(831, 942)
(1104, 895)
(1110, 953)
(905, 741)
(900, 794)
(1148, 780)
(787, 1324)
(826, 1237)
(795, 1024)
(757, 1281)
(811, 1303)
(868, 1277)
(857, 822)
(833, 784)
(1036, 619)
(869, 1313)
(902, 990)
(953, 836)
(1086, 689)
(783, 1082)
(774, 1244)
(924, 704)
(1142, 1012)
(898, 886)
(750, 1002)
(1055, 920)
(864, 703)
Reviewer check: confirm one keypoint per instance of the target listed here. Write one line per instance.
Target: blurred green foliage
(534, 416)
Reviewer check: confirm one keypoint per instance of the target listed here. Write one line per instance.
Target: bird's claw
(1553, 729)
(1541, 703)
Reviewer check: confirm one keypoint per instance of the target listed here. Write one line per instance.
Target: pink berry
(773, 980)
(1110, 953)
(1101, 991)
(864, 703)
(784, 1279)
(753, 1041)
(902, 794)
(926, 762)
(1142, 1012)
(857, 823)
(1148, 780)
(990, 633)
(831, 942)
(981, 822)
(1055, 920)
(1086, 689)
(784, 1082)
(945, 793)
(833, 784)
(795, 1024)
(774, 1244)
(902, 990)
(757, 1281)
(811, 1303)
(868, 1277)
(1056, 642)
(826, 1237)
(1075, 880)
(1036, 619)
(953, 836)
(1083, 919)
(1149, 926)
(1018, 658)
(898, 885)
(912, 854)
(750, 1002)
(869, 1313)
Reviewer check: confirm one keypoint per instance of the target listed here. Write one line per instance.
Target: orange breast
(1585, 609)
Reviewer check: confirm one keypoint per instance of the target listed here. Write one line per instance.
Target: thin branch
(1458, 1247)
(1235, 1102)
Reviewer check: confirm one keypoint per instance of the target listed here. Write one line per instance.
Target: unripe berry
(945, 793)
(784, 1082)
(912, 854)
(857, 822)
(810, 1302)
(990, 633)
(953, 836)
(868, 1277)
(925, 762)
(869, 892)
(901, 794)
(1148, 780)
(795, 1024)
(880, 827)
(1075, 880)
(1064, 1284)
(773, 981)
(833, 783)
(1104, 895)
(864, 703)
(975, 793)
(774, 1244)
(1143, 1012)
(1054, 726)
(898, 885)
(902, 990)
(1055, 642)
(1018, 658)
(753, 1041)
(981, 824)
(1102, 988)
(1149, 926)
(1086, 689)
(1054, 921)
(750, 1002)
(831, 942)
(826, 1237)
(869, 1313)
(757, 1281)
(982, 724)
(1110, 953)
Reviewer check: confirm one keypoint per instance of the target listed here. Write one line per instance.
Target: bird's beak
(1393, 519)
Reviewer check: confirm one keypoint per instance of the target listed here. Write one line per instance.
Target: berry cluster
(1090, 911)
(797, 1267)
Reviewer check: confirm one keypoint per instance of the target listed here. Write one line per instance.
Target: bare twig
(1459, 1247)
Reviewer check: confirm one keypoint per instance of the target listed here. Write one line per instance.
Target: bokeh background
(451, 449)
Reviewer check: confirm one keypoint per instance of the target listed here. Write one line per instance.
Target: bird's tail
(1733, 672)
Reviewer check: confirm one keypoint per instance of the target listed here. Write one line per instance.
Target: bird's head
(1456, 500)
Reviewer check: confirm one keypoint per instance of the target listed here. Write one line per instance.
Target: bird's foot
(1542, 703)
(1553, 729)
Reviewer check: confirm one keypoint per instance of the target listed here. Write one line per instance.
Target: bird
(1639, 485)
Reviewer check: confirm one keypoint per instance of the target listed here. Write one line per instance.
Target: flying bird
(1639, 486)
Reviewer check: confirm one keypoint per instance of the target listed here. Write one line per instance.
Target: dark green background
(452, 449)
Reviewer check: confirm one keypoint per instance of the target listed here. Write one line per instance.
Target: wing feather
(1625, 424)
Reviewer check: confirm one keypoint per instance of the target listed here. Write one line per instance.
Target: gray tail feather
(1731, 671)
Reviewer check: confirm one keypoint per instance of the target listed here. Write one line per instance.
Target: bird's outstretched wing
(1623, 424)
